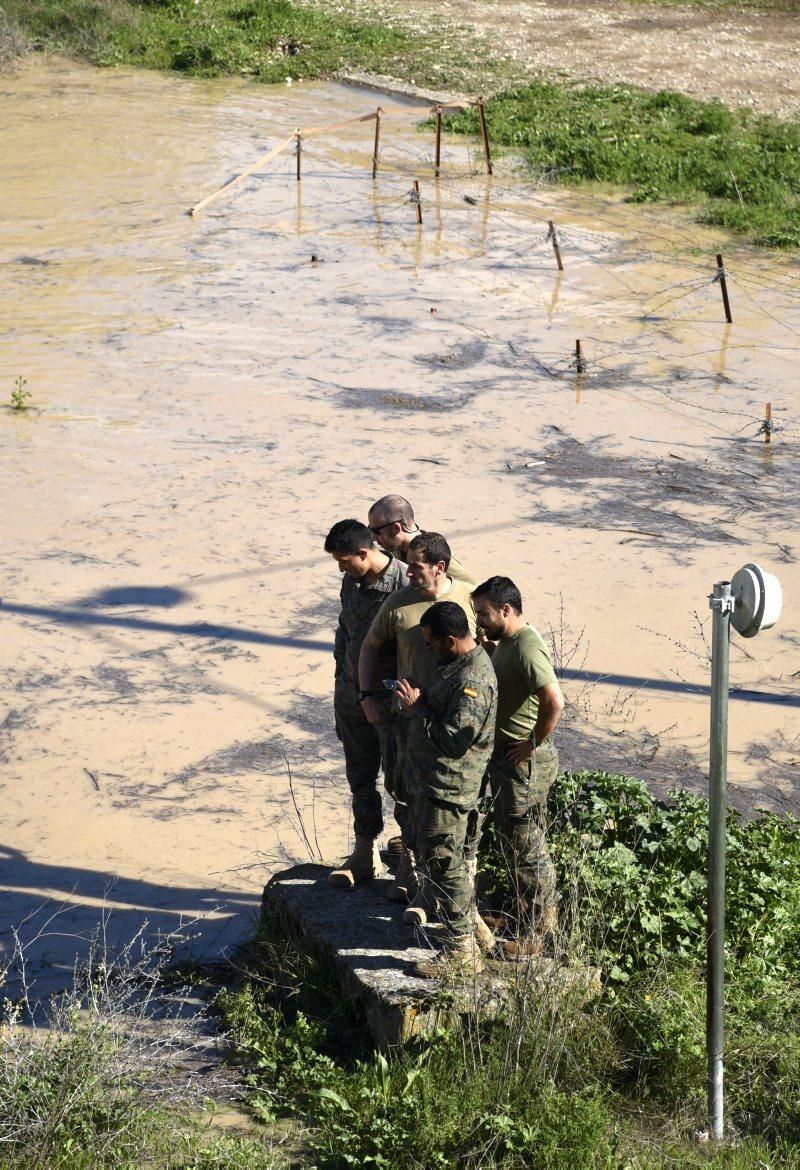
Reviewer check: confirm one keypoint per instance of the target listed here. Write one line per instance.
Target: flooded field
(210, 394)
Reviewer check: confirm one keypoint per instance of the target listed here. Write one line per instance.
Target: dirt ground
(744, 58)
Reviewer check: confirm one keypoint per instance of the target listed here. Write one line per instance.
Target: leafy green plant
(635, 870)
(20, 395)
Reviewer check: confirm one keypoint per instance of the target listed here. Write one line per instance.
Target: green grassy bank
(740, 171)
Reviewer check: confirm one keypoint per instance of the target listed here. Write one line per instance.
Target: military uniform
(449, 746)
(398, 622)
(519, 792)
(366, 747)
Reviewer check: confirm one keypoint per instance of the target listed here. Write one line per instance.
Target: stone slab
(372, 952)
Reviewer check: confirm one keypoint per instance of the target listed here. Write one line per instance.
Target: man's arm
(367, 661)
(453, 732)
(551, 704)
(340, 641)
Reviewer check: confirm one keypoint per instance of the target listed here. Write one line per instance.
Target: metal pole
(723, 284)
(377, 142)
(437, 161)
(485, 135)
(721, 603)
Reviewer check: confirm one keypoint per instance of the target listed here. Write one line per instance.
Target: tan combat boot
(394, 848)
(484, 936)
(459, 959)
(404, 886)
(538, 938)
(423, 905)
(362, 865)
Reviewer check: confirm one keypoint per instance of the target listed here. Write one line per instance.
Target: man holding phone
(449, 745)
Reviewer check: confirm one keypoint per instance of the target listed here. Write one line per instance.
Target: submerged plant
(20, 396)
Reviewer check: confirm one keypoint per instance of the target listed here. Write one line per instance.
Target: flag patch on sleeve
(469, 691)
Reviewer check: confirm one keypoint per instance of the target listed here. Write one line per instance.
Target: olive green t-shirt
(522, 665)
(399, 618)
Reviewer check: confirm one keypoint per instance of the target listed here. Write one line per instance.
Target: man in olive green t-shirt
(398, 619)
(524, 762)
(391, 521)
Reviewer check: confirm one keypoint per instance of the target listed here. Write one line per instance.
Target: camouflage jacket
(452, 735)
(360, 603)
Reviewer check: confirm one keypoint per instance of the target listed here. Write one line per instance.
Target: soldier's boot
(405, 884)
(394, 848)
(460, 958)
(538, 937)
(484, 936)
(423, 905)
(362, 865)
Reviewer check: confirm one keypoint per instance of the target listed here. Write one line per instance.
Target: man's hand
(409, 695)
(482, 640)
(521, 752)
(373, 711)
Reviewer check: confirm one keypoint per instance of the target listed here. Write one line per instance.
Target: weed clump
(20, 395)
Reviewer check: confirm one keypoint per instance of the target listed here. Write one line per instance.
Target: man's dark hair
(445, 619)
(397, 510)
(433, 546)
(499, 591)
(348, 536)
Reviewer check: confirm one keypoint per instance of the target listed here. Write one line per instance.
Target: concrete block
(372, 952)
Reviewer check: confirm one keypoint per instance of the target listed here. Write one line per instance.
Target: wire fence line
(508, 202)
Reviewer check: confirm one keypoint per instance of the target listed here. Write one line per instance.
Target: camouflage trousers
(519, 800)
(400, 786)
(442, 830)
(367, 750)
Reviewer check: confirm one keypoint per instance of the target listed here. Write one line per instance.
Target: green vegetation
(742, 169)
(615, 1082)
(271, 40)
(20, 395)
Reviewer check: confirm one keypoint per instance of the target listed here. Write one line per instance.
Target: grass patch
(270, 40)
(741, 169)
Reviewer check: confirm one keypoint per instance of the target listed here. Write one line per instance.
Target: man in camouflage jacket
(369, 576)
(449, 745)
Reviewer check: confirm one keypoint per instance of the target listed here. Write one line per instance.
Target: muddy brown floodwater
(208, 401)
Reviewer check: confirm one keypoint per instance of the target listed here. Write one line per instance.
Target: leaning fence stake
(416, 200)
(298, 149)
(768, 423)
(723, 284)
(553, 237)
(485, 133)
(438, 155)
(377, 142)
(581, 364)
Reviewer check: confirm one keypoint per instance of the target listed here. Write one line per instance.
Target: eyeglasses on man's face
(380, 528)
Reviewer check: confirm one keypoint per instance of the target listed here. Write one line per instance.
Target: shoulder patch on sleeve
(473, 694)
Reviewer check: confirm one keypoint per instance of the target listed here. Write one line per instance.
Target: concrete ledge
(372, 951)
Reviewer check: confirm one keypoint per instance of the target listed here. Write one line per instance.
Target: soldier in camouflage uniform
(370, 576)
(449, 745)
